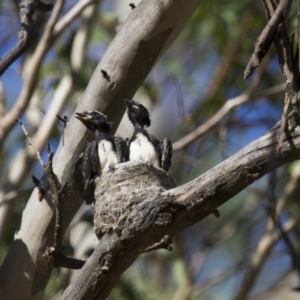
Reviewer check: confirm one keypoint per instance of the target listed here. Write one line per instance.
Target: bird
(102, 153)
(144, 146)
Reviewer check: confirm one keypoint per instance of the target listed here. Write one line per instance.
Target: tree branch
(167, 213)
(68, 18)
(25, 157)
(148, 32)
(212, 122)
(53, 255)
(26, 32)
(31, 74)
(229, 106)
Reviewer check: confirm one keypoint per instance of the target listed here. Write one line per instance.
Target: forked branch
(54, 255)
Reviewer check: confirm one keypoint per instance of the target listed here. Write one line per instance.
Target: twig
(270, 7)
(283, 122)
(264, 41)
(58, 191)
(54, 255)
(164, 243)
(31, 143)
(285, 56)
(290, 68)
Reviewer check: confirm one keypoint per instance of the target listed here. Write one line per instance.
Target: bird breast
(107, 155)
(142, 149)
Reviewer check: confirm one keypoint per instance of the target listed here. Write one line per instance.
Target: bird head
(137, 113)
(94, 120)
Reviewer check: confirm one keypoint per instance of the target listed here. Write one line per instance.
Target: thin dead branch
(265, 40)
(31, 143)
(164, 243)
(289, 66)
(283, 122)
(53, 255)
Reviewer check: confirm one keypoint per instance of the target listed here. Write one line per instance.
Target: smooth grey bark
(148, 32)
(168, 212)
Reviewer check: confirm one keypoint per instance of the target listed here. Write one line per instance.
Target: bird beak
(130, 104)
(83, 117)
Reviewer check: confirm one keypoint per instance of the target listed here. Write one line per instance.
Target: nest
(118, 192)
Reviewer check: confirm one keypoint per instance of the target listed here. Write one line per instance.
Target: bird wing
(122, 150)
(166, 154)
(78, 174)
(91, 165)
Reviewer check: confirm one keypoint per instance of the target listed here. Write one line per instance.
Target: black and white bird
(102, 153)
(144, 146)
